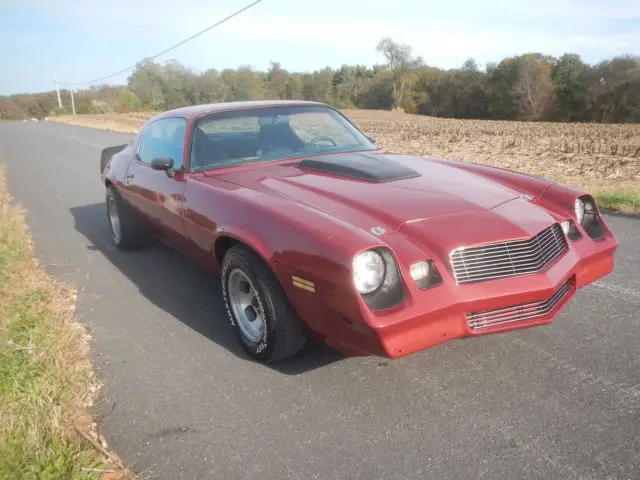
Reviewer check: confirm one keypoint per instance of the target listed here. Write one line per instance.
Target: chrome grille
(508, 259)
(516, 313)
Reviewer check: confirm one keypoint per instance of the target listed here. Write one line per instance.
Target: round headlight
(368, 271)
(579, 210)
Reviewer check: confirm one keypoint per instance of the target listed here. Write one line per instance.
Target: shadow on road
(186, 291)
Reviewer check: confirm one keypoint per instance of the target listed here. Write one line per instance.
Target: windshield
(261, 134)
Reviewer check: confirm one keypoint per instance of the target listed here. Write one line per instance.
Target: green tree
(208, 88)
(276, 82)
(568, 77)
(147, 83)
(173, 83)
(317, 86)
(348, 82)
(128, 101)
(473, 85)
(613, 90)
(243, 83)
(378, 91)
(529, 87)
(503, 77)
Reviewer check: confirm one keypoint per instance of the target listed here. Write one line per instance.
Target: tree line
(531, 87)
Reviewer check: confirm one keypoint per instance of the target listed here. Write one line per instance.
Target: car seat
(278, 138)
(204, 151)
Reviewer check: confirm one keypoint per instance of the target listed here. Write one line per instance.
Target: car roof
(197, 110)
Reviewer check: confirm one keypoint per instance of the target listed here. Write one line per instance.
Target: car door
(159, 194)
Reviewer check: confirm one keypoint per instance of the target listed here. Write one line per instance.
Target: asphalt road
(181, 401)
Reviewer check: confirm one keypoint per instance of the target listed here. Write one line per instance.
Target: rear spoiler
(109, 152)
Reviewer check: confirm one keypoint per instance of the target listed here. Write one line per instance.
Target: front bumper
(440, 314)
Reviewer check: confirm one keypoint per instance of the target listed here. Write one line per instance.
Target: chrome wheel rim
(245, 305)
(114, 219)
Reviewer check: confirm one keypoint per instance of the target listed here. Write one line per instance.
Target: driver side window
(163, 138)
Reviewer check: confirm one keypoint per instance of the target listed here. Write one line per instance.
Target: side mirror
(371, 139)
(162, 163)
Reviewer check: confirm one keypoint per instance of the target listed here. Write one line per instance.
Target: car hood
(433, 190)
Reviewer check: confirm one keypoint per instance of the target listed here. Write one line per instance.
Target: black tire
(133, 232)
(284, 335)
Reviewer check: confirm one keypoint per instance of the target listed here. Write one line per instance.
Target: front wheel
(267, 326)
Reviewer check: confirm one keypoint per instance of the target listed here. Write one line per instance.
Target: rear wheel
(267, 326)
(127, 230)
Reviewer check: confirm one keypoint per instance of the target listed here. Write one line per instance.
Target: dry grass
(129, 122)
(47, 383)
(601, 159)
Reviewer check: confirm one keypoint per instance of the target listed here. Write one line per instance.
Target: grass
(621, 200)
(602, 159)
(47, 383)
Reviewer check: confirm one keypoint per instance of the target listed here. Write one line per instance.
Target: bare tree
(535, 88)
(401, 63)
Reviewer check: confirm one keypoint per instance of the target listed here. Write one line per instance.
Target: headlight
(570, 230)
(419, 271)
(425, 274)
(589, 207)
(590, 219)
(579, 210)
(368, 271)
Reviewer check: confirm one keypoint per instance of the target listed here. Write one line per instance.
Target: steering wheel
(313, 141)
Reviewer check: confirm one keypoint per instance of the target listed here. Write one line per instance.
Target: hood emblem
(378, 231)
(526, 197)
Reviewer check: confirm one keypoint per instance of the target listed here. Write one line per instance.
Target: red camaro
(315, 231)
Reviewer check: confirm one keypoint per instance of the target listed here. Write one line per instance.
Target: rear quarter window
(225, 125)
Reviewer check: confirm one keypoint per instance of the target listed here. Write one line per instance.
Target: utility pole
(55, 81)
(73, 104)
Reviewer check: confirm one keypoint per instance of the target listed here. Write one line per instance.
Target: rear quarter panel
(115, 169)
(107, 154)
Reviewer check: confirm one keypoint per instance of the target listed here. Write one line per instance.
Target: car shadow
(186, 291)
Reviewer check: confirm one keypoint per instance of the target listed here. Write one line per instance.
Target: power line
(170, 48)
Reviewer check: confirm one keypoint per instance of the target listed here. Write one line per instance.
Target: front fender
(298, 242)
(519, 181)
(560, 199)
(241, 235)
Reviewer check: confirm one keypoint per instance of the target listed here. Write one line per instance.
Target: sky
(82, 40)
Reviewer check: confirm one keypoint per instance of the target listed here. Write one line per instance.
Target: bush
(98, 109)
(10, 110)
(128, 102)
